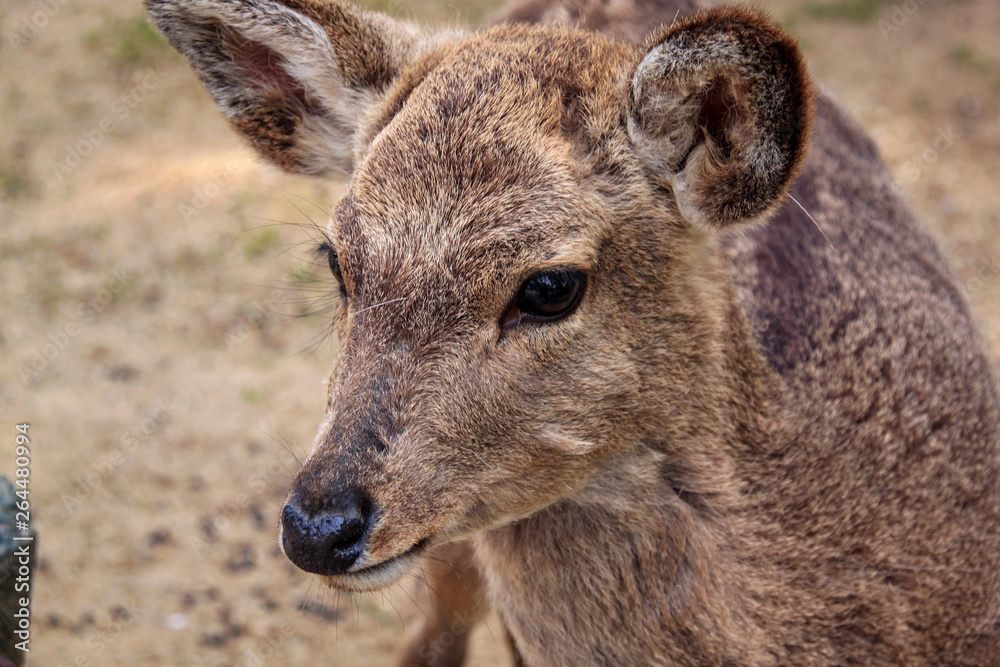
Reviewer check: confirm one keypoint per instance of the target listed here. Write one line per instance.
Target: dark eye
(546, 297)
(334, 262)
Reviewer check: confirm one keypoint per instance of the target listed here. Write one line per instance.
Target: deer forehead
(471, 252)
(475, 173)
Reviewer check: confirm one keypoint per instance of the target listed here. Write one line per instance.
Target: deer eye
(546, 297)
(334, 261)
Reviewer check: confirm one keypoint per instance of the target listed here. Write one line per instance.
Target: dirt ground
(161, 323)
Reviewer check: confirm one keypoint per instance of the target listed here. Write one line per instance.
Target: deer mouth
(379, 575)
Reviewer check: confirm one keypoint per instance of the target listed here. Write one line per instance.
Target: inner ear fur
(720, 112)
(294, 77)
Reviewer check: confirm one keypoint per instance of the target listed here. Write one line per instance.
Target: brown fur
(628, 21)
(775, 445)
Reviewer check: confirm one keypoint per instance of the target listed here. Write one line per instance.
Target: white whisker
(402, 298)
(811, 218)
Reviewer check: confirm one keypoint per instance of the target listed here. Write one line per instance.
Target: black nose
(328, 538)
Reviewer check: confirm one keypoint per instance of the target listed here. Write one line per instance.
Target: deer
(634, 322)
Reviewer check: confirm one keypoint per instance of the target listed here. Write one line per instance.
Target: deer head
(525, 252)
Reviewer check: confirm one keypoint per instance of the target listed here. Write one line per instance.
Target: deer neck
(654, 551)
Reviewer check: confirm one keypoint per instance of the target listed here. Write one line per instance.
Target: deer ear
(720, 113)
(294, 77)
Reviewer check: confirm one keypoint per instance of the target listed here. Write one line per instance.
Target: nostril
(341, 532)
(327, 541)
